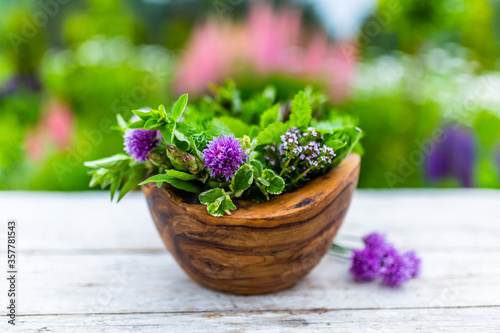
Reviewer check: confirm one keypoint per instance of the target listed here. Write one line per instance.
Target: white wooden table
(87, 265)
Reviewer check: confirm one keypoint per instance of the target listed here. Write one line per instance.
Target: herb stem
(301, 175)
(284, 168)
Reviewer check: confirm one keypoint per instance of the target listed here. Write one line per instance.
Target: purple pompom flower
(396, 269)
(223, 156)
(365, 265)
(380, 258)
(138, 143)
(413, 263)
(377, 243)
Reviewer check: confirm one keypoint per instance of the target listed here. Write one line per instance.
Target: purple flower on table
(365, 265)
(452, 157)
(413, 262)
(377, 243)
(380, 258)
(138, 143)
(396, 269)
(223, 156)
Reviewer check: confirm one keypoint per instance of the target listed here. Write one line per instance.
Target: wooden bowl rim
(282, 209)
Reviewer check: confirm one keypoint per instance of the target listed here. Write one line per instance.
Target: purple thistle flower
(223, 156)
(396, 269)
(138, 143)
(365, 265)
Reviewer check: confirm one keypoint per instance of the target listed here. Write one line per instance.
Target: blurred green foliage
(423, 64)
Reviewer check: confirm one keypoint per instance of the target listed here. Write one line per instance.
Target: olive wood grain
(260, 248)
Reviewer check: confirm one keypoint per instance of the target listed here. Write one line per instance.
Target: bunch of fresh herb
(226, 148)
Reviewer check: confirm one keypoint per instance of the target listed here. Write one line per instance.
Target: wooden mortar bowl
(260, 248)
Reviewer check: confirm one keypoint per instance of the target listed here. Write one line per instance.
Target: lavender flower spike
(138, 143)
(223, 156)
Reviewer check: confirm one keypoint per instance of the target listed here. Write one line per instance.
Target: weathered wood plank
(153, 282)
(104, 266)
(411, 320)
(425, 219)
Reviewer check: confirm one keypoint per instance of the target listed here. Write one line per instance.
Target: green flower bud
(176, 157)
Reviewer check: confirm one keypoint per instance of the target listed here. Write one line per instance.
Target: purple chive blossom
(365, 265)
(380, 258)
(138, 143)
(223, 156)
(413, 262)
(396, 269)
(378, 244)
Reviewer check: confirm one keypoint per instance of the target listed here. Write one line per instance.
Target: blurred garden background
(422, 77)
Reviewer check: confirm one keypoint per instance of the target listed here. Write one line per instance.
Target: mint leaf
(276, 183)
(269, 116)
(135, 175)
(180, 184)
(116, 180)
(301, 113)
(138, 124)
(181, 175)
(144, 115)
(237, 126)
(114, 162)
(218, 202)
(272, 133)
(257, 168)
(210, 196)
(179, 107)
(242, 179)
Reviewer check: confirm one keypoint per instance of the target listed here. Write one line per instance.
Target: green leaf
(144, 115)
(116, 180)
(238, 127)
(269, 116)
(181, 141)
(98, 177)
(152, 124)
(180, 184)
(180, 175)
(263, 181)
(162, 110)
(210, 196)
(301, 113)
(272, 133)
(179, 107)
(166, 133)
(349, 135)
(335, 144)
(213, 208)
(138, 124)
(218, 127)
(242, 179)
(135, 175)
(114, 162)
(218, 202)
(276, 183)
(257, 168)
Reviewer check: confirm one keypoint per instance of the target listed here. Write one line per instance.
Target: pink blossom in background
(54, 129)
(59, 122)
(269, 41)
